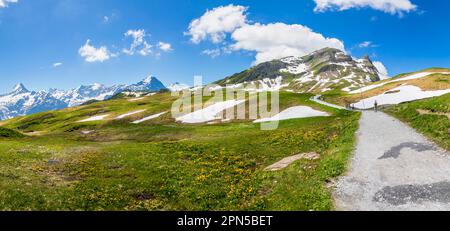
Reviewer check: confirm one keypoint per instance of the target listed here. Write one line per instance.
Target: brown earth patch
(428, 112)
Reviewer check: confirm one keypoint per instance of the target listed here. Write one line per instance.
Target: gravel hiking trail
(393, 168)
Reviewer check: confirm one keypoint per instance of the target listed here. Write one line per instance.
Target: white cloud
(212, 52)
(105, 19)
(216, 23)
(365, 44)
(278, 40)
(4, 3)
(166, 47)
(55, 65)
(92, 54)
(387, 6)
(269, 41)
(139, 45)
(381, 69)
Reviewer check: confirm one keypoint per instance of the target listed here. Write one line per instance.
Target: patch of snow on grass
(209, 113)
(149, 118)
(294, 113)
(136, 99)
(399, 95)
(129, 114)
(409, 77)
(319, 101)
(367, 88)
(94, 118)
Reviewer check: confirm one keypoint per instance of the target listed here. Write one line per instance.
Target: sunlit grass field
(165, 165)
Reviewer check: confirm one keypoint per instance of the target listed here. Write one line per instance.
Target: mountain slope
(82, 94)
(322, 70)
(150, 83)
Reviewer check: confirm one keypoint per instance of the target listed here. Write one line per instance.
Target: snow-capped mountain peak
(150, 83)
(21, 101)
(322, 70)
(96, 86)
(149, 79)
(19, 89)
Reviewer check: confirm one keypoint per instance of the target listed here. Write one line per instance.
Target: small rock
(53, 161)
(289, 160)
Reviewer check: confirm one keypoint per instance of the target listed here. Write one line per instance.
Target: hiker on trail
(376, 106)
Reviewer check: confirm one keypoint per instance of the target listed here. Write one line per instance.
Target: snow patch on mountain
(329, 68)
(82, 94)
(20, 101)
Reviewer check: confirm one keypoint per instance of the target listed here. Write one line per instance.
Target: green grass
(163, 165)
(9, 133)
(436, 127)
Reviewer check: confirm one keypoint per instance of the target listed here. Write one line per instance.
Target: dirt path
(318, 100)
(394, 168)
(427, 112)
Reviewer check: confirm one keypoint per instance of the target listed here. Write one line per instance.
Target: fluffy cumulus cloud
(139, 44)
(381, 69)
(216, 23)
(166, 47)
(268, 41)
(92, 54)
(4, 3)
(278, 40)
(387, 6)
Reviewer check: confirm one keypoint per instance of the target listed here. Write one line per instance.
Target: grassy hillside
(164, 165)
(9, 133)
(264, 70)
(431, 117)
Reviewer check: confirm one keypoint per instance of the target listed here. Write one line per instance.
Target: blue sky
(36, 36)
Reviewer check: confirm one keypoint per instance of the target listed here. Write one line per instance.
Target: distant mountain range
(21, 101)
(323, 70)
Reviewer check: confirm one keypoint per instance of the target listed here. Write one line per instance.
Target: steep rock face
(322, 70)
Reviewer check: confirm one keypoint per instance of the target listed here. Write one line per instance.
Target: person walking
(376, 106)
